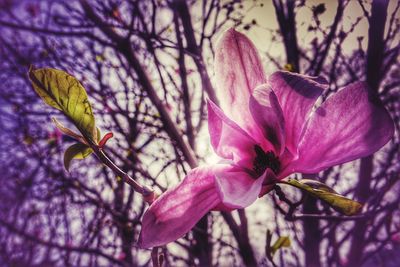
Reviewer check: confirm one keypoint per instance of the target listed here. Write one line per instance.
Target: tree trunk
(374, 64)
(312, 234)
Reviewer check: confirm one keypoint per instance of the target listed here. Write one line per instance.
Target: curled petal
(269, 182)
(105, 139)
(267, 113)
(347, 126)
(296, 94)
(286, 159)
(237, 188)
(238, 70)
(228, 139)
(177, 210)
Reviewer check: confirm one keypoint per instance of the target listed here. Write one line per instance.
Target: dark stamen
(264, 160)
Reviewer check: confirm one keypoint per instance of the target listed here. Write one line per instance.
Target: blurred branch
(374, 62)
(242, 239)
(185, 87)
(51, 244)
(182, 9)
(319, 60)
(125, 48)
(285, 13)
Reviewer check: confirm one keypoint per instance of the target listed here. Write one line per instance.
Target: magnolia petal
(177, 210)
(237, 188)
(347, 126)
(238, 70)
(267, 113)
(228, 139)
(222, 207)
(286, 159)
(296, 94)
(269, 182)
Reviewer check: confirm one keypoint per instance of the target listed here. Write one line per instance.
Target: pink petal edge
(237, 188)
(267, 113)
(177, 210)
(347, 126)
(228, 139)
(238, 70)
(297, 95)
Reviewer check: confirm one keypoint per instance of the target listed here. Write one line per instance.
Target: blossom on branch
(266, 130)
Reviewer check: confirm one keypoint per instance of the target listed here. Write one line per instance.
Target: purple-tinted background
(122, 52)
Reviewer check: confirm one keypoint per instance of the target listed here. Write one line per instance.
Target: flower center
(264, 160)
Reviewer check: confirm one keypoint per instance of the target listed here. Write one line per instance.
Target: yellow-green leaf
(97, 135)
(76, 151)
(28, 140)
(282, 242)
(64, 92)
(289, 67)
(317, 185)
(321, 191)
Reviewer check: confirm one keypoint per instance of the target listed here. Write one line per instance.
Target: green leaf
(321, 191)
(62, 91)
(317, 185)
(282, 242)
(97, 135)
(76, 151)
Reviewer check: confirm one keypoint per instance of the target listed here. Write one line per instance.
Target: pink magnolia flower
(268, 129)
